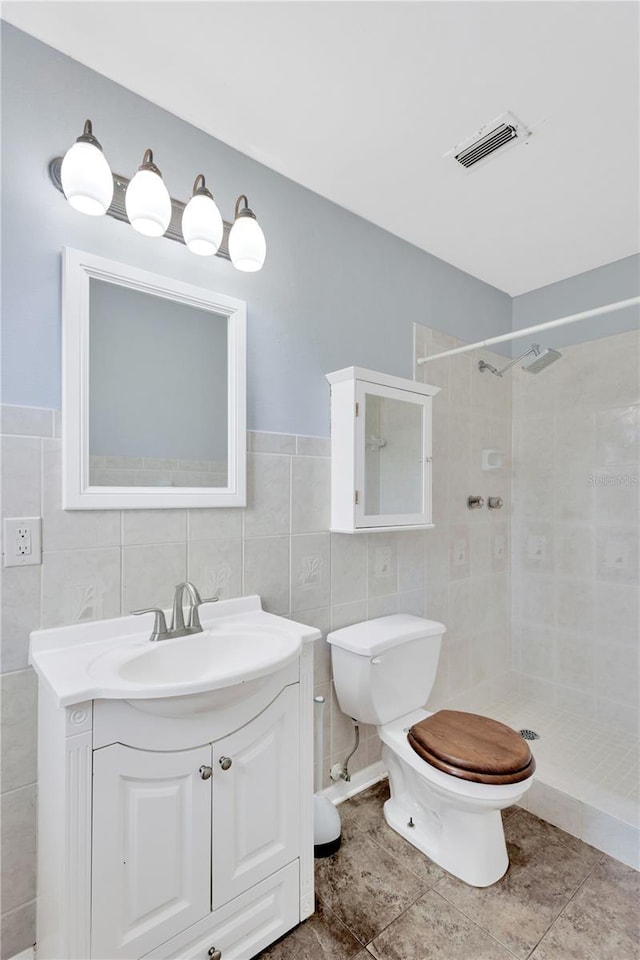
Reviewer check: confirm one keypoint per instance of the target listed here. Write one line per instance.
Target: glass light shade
(247, 246)
(202, 226)
(86, 179)
(148, 204)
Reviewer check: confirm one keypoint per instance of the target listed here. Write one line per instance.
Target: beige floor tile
(433, 929)
(544, 874)
(364, 885)
(602, 922)
(321, 937)
(364, 813)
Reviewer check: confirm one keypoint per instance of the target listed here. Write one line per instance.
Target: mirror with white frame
(154, 390)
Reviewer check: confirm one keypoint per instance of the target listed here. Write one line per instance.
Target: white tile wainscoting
(100, 564)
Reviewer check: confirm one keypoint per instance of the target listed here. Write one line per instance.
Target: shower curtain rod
(572, 318)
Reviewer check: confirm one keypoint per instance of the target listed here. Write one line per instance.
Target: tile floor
(379, 897)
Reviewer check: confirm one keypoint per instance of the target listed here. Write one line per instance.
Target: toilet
(450, 773)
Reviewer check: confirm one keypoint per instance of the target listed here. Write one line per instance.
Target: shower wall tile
(576, 473)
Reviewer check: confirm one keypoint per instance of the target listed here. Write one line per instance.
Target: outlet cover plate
(22, 541)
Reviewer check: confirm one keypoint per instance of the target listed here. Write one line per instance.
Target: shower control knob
(225, 762)
(214, 954)
(205, 772)
(474, 503)
(494, 503)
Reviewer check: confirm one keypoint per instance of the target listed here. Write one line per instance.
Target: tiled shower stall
(574, 595)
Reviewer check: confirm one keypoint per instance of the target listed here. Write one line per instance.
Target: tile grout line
(570, 900)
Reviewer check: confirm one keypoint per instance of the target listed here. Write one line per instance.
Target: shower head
(535, 363)
(540, 359)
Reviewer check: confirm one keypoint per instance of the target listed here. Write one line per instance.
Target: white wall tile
(19, 720)
(346, 614)
(411, 561)
(153, 526)
(79, 585)
(18, 931)
(215, 567)
(259, 442)
(382, 606)
(348, 567)
(18, 847)
(268, 496)
(20, 477)
(382, 552)
(618, 839)
(20, 614)
(219, 523)
(555, 807)
(310, 496)
(313, 446)
(310, 571)
(266, 572)
(26, 421)
(71, 529)
(150, 574)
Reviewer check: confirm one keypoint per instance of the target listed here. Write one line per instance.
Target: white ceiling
(359, 101)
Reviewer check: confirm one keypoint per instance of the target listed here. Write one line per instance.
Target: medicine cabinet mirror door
(393, 457)
(154, 390)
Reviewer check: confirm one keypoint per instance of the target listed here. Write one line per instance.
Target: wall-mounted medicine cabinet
(380, 452)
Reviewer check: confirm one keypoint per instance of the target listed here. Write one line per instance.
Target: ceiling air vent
(504, 130)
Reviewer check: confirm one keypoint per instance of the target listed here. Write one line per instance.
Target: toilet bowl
(383, 672)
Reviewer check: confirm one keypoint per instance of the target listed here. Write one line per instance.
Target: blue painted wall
(335, 290)
(595, 288)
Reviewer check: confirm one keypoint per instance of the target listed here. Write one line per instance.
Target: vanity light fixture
(147, 199)
(247, 246)
(202, 226)
(86, 180)
(86, 177)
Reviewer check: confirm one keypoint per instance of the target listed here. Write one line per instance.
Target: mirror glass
(393, 456)
(153, 390)
(158, 391)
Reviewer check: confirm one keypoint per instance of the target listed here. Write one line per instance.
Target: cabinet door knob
(205, 772)
(214, 954)
(225, 762)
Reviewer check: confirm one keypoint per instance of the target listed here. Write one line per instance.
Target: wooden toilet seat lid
(472, 747)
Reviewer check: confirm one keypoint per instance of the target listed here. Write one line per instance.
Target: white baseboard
(341, 791)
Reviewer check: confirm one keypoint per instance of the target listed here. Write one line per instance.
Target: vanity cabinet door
(151, 847)
(256, 799)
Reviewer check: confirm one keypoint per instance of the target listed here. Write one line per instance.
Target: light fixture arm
(245, 212)
(117, 209)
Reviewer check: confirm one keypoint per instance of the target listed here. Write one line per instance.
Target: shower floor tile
(379, 898)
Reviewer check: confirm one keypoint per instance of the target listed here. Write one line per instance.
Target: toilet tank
(385, 668)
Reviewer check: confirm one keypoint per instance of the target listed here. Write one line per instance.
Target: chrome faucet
(178, 627)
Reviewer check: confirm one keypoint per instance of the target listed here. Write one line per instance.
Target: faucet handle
(159, 631)
(194, 619)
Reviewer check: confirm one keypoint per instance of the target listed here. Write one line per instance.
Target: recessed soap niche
(493, 459)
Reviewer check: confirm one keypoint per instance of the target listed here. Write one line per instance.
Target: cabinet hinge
(357, 409)
(357, 497)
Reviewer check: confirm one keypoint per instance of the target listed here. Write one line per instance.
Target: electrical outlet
(22, 541)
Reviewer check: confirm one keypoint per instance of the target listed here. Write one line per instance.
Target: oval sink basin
(239, 650)
(224, 658)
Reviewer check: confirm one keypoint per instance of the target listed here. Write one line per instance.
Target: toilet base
(463, 835)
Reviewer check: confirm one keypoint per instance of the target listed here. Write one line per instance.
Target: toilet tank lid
(374, 636)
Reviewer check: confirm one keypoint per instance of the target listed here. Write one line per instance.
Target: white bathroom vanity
(175, 786)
